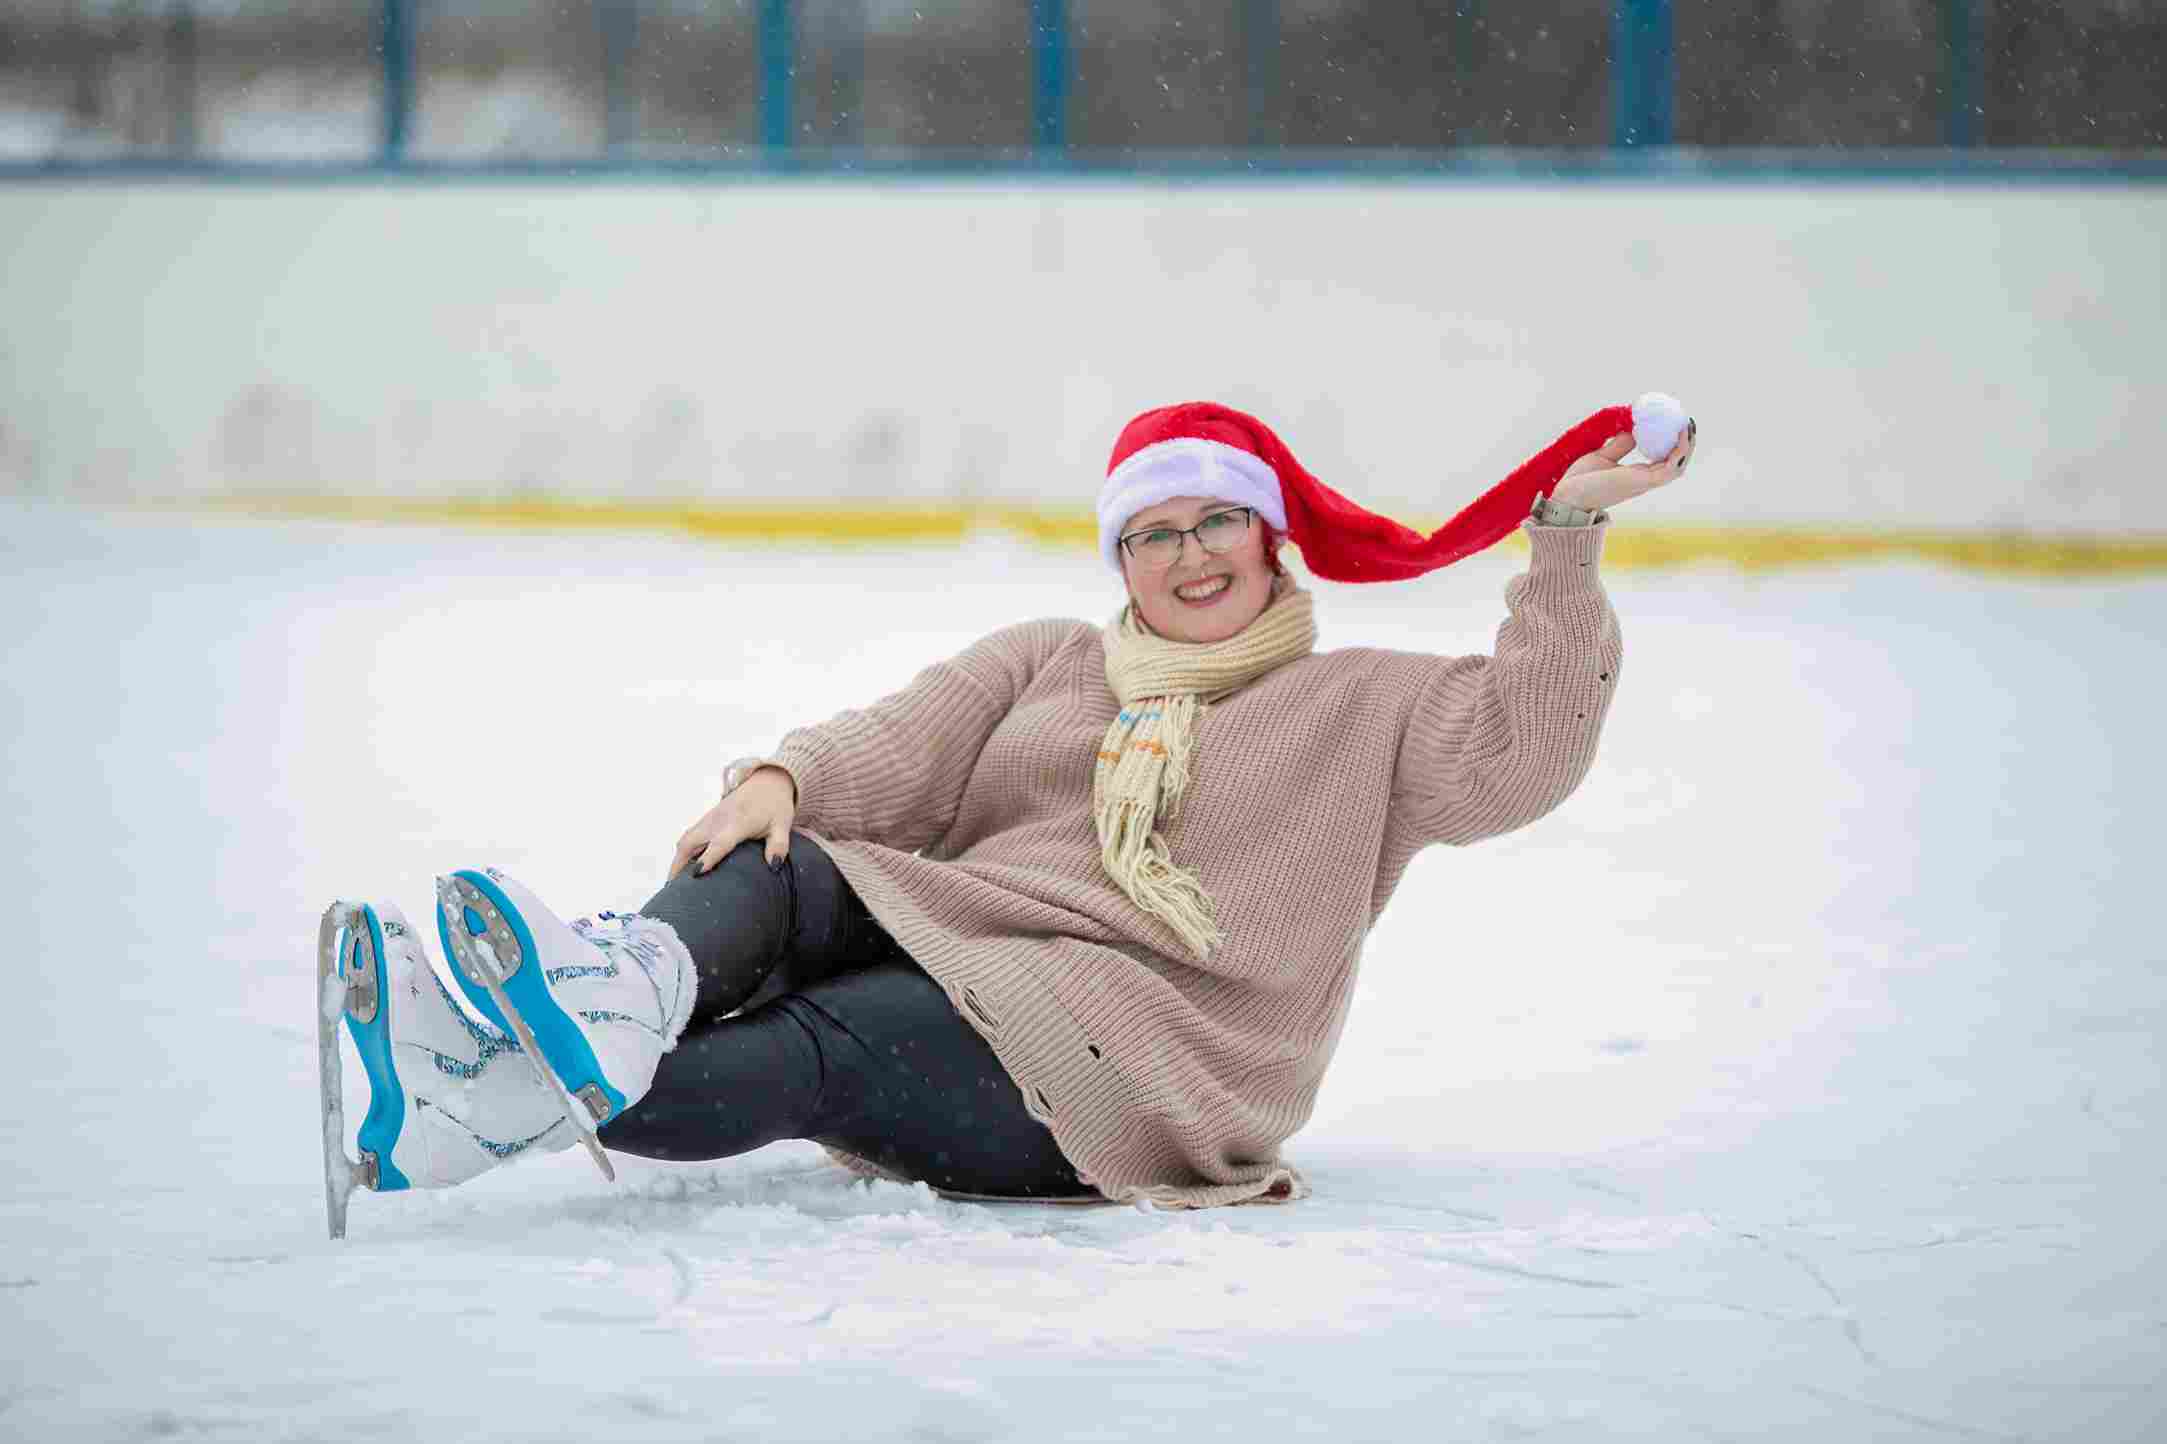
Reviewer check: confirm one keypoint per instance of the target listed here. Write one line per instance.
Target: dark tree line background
(570, 78)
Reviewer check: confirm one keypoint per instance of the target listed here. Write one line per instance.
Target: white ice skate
(599, 1001)
(448, 1098)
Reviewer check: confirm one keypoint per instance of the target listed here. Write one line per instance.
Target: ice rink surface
(1798, 1079)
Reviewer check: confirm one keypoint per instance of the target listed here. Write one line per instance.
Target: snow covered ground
(1799, 1079)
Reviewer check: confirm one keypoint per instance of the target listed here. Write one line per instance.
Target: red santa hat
(1200, 448)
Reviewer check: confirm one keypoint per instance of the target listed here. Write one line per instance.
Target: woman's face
(1157, 590)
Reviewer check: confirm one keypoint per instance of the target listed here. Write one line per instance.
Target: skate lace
(618, 935)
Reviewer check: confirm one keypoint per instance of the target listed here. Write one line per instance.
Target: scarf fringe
(1139, 863)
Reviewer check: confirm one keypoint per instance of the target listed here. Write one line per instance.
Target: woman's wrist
(784, 773)
(736, 774)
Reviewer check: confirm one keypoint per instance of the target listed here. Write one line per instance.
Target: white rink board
(1874, 355)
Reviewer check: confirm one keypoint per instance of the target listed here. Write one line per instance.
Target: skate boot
(603, 1000)
(448, 1098)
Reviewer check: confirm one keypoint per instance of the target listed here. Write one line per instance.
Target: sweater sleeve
(1495, 742)
(894, 772)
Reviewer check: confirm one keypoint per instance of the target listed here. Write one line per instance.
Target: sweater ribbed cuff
(823, 801)
(1566, 548)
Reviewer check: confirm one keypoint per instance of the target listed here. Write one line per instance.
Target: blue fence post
(181, 55)
(397, 42)
(1260, 72)
(1640, 73)
(620, 23)
(1960, 52)
(1049, 91)
(778, 39)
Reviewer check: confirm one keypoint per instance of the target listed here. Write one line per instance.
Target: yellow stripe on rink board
(1661, 547)
(1629, 547)
(745, 522)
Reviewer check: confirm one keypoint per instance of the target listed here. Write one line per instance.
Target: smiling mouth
(1212, 586)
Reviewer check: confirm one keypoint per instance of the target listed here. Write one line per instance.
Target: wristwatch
(1546, 512)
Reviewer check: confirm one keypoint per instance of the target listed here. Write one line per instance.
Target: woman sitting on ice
(1075, 914)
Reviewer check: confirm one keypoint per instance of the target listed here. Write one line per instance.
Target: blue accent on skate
(475, 925)
(379, 1132)
(564, 1046)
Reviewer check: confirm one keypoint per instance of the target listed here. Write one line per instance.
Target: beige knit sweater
(959, 809)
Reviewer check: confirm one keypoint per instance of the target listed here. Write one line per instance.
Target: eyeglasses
(1160, 546)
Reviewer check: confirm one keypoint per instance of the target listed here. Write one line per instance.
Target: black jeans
(843, 1040)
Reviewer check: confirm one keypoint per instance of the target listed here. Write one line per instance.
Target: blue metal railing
(1641, 66)
(1960, 42)
(1642, 139)
(1049, 77)
(398, 83)
(619, 23)
(778, 41)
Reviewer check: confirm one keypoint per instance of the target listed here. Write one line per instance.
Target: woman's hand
(763, 805)
(1596, 480)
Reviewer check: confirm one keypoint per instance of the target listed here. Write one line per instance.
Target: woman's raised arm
(1495, 742)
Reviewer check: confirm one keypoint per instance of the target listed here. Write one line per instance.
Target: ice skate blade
(334, 998)
(456, 899)
(351, 974)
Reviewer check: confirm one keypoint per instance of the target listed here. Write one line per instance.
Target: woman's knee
(829, 913)
(737, 906)
(757, 932)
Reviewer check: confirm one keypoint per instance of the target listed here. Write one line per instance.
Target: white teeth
(1217, 584)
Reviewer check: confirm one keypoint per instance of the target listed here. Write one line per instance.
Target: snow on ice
(1799, 1079)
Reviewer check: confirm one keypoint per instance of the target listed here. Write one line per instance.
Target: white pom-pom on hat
(1658, 422)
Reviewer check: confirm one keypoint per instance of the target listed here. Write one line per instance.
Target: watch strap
(1546, 512)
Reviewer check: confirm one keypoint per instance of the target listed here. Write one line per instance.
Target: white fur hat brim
(1185, 466)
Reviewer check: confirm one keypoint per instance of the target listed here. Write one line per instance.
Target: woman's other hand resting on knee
(763, 805)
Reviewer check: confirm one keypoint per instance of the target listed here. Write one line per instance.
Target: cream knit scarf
(1144, 760)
